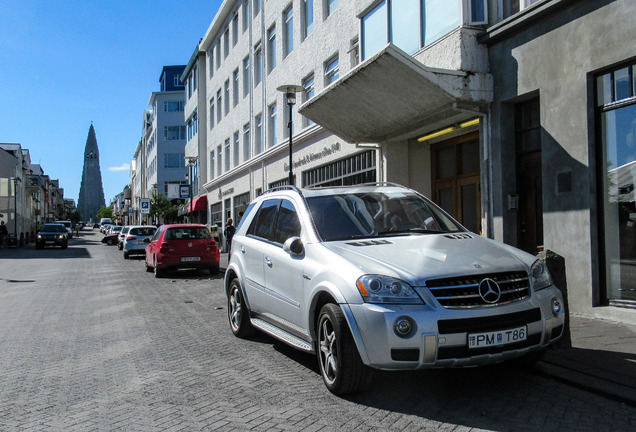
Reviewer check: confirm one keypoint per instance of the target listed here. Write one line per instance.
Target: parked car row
(167, 248)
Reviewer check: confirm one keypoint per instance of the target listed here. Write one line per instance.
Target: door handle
(268, 262)
(242, 249)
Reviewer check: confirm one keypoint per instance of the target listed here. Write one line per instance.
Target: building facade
(164, 137)
(563, 143)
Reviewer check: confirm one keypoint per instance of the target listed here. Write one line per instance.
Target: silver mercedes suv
(376, 276)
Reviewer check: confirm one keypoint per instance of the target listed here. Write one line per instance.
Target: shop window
(616, 118)
(357, 169)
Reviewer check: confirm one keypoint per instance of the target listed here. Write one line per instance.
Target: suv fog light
(556, 306)
(404, 327)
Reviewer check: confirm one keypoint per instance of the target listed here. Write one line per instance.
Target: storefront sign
(311, 157)
(225, 192)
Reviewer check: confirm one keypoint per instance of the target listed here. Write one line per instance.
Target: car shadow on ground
(183, 274)
(478, 397)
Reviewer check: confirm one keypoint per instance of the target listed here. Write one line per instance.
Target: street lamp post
(290, 96)
(16, 180)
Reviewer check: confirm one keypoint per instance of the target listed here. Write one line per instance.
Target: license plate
(500, 337)
(190, 259)
(50, 242)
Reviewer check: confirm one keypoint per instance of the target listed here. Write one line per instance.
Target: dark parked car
(112, 235)
(182, 246)
(52, 235)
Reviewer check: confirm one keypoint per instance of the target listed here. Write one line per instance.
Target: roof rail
(285, 187)
(359, 184)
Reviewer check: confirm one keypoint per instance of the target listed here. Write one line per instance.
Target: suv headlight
(540, 276)
(384, 289)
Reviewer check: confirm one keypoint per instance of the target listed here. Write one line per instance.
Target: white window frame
(247, 78)
(330, 71)
(272, 130)
(235, 88)
(288, 31)
(271, 48)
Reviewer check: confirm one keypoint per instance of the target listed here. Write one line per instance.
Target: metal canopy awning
(391, 95)
(199, 204)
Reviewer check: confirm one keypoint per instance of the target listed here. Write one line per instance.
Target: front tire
(340, 364)
(148, 268)
(238, 312)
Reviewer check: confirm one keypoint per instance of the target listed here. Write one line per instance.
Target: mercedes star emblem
(489, 291)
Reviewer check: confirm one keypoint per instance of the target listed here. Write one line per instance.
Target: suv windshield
(372, 214)
(53, 228)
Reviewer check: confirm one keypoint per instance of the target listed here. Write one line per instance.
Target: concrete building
(463, 101)
(563, 143)
(164, 137)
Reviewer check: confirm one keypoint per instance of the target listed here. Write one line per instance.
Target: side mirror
(146, 240)
(294, 246)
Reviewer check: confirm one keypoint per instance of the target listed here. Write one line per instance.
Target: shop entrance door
(529, 189)
(456, 179)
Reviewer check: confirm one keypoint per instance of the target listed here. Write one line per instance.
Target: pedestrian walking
(229, 233)
(3, 233)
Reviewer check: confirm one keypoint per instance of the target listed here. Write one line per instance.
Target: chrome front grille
(463, 292)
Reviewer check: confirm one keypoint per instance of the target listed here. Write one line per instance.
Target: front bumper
(440, 336)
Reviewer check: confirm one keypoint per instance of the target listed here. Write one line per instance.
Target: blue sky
(67, 63)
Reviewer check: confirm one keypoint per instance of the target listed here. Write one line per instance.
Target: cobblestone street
(90, 341)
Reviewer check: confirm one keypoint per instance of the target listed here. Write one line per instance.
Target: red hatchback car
(182, 246)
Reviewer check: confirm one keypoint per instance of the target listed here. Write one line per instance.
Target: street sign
(184, 191)
(145, 206)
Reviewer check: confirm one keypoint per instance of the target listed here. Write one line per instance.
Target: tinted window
(263, 223)
(142, 231)
(287, 224)
(187, 233)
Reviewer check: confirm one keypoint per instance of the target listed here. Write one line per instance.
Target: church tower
(91, 195)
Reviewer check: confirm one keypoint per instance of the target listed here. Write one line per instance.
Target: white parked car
(134, 240)
(379, 277)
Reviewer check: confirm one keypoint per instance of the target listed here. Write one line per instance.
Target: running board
(282, 335)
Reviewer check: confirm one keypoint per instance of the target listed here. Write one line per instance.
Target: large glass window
(616, 106)
(173, 160)
(439, 18)
(409, 24)
(405, 32)
(374, 30)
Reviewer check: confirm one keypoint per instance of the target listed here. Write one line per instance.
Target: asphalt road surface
(91, 342)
